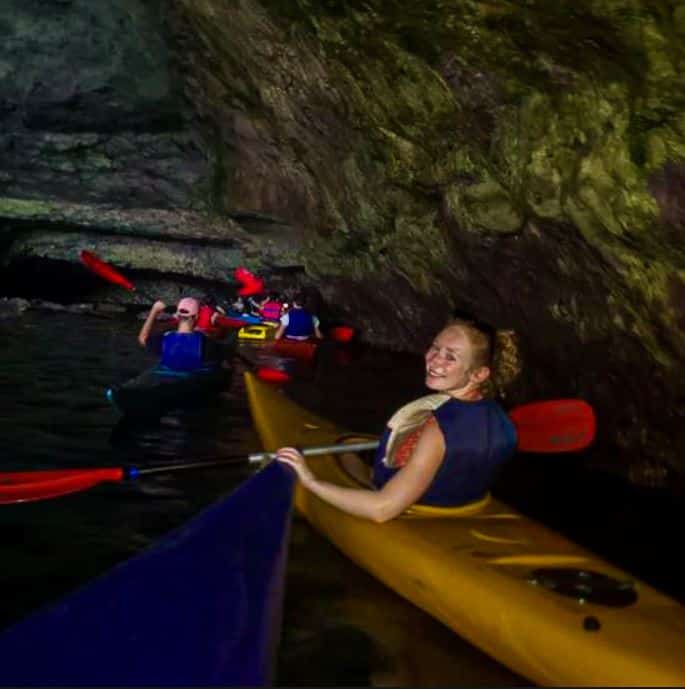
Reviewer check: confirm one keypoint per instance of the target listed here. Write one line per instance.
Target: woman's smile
(447, 361)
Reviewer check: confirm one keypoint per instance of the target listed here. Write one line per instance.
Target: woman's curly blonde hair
(496, 349)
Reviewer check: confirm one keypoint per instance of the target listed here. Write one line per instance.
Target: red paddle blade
(554, 425)
(104, 270)
(272, 375)
(341, 333)
(243, 275)
(251, 284)
(251, 287)
(25, 486)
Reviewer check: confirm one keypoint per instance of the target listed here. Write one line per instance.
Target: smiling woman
(443, 449)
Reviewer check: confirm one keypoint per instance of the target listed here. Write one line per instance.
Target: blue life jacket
(300, 323)
(479, 438)
(183, 351)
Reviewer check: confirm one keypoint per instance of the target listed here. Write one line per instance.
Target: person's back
(271, 308)
(298, 323)
(183, 351)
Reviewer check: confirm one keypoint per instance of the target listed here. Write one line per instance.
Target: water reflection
(54, 370)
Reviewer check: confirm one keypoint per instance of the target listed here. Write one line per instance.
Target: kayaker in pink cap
(182, 349)
(186, 308)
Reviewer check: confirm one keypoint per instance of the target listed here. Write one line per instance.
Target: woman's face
(448, 361)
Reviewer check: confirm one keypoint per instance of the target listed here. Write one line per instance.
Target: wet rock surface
(15, 307)
(11, 308)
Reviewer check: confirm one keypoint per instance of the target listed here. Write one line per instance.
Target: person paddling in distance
(182, 349)
(238, 304)
(270, 307)
(253, 303)
(208, 313)
(441, 450)
(298, 323)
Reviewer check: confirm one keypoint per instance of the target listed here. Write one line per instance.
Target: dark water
(341, 627)
(53, 373)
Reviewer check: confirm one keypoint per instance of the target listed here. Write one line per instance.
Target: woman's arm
(401, 491)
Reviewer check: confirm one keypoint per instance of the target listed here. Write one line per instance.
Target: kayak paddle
(563, 425)
(96, 265)
(551, 426)
(250, 283)
(341, 333)
(27, 486)
(107, 272)
(272, 375)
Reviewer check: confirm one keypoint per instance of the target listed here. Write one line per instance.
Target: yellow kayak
(541, 605)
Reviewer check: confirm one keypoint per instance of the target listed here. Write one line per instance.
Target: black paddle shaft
(133, 472)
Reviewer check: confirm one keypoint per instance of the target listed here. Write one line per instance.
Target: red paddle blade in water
(554, 425)
(104, 270)
(24, 486)
(296, 349)
(272, 375)
(341, 333)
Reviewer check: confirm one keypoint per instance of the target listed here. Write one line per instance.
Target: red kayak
(297, 349)
(228, 322)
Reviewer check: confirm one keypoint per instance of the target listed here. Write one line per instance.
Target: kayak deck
(545, 607)
(257, 332)
(201, 608)
(159, 390)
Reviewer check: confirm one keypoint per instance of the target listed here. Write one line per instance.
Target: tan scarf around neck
(407, 419)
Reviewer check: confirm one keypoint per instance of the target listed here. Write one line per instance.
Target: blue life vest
(183, 351)
(479, 438)
(300, 323)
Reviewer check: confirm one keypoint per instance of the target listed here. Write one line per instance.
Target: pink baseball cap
(188, 306)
